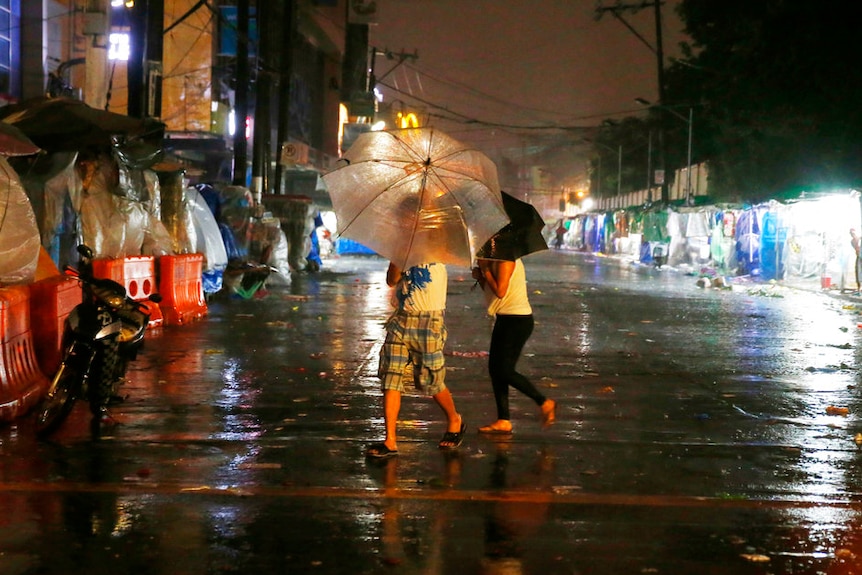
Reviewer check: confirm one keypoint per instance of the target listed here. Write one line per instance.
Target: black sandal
(452, 437)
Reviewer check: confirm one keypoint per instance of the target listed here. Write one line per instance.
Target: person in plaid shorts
(415, 336)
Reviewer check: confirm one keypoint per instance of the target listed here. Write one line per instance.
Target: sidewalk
(808, 284)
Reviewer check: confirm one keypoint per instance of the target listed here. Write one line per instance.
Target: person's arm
(497, 275)
(393, 274)
(479, 277)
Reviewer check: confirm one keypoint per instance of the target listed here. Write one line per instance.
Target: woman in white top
(505, 286)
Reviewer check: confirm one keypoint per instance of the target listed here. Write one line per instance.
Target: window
(5, 45)
(118, 46)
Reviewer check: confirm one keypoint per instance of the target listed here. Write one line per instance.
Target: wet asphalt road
(699, 431)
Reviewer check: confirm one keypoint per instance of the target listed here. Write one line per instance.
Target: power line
(464, 118)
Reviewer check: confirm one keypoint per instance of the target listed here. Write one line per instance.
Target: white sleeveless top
(515, 302)
(421, 288)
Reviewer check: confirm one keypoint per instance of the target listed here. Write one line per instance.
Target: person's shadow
(511, 519)
(385, 472)
(402, 541)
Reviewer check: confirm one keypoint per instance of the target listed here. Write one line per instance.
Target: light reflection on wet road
(693, 436)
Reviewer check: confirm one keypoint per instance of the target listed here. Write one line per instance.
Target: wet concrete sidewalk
(692, 437)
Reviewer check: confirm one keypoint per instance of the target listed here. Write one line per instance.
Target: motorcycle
(101, 335)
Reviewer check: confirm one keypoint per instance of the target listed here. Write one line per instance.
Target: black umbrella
(520, 237)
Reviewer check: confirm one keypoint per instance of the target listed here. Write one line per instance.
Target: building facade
(177, 60)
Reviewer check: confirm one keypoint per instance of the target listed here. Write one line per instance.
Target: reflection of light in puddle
(816, 531)
(583, 341)
(227, 521)
(368, 523)
(236, 395)
(376, 298)
(814, 334)
(129, 510)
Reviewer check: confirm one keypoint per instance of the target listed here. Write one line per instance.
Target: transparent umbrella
(416, 196)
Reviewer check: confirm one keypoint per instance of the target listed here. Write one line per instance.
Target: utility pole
(617, 10)
(355, 66)
(649, 182)
(288, 23)
(241, 77)
(662, 141)
(145, 59)
(620, 171)
(689, 198)
(262, 144)
(96, 29)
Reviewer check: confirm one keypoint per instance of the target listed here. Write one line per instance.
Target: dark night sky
(519, 62)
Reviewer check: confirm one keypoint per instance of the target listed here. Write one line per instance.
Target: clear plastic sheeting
(113, 226)
(175, 214)
(235, 204)
(131, 183)
(208, 240)
(19, 235)
(279, 254)
(295, 216)
(157, 240)
(54, 189)
(81, 199)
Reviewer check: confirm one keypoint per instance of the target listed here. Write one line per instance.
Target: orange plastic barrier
(181, 288)
(138, 275)
(22, 384)
(51, 301)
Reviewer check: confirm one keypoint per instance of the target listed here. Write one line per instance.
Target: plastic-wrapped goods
(53, 186)
(297, 220)
(209, 240)
(208, 236)
(113, 226)
(132, 184)
(271, 243)
(175, 214)
(157, 240)
(235, 205)
(19, 235)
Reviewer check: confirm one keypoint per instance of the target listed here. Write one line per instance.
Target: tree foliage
(777, 93)
(624, 156)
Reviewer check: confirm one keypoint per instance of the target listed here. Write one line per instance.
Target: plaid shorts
(414, 343)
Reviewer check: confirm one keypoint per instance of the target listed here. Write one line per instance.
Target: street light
(690, 122)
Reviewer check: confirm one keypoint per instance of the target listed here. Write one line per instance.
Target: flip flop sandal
(380, 451)
(453, 438)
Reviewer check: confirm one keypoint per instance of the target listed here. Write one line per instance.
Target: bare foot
(499, 427)
(452, 439)
(549, 412)
(455, 425)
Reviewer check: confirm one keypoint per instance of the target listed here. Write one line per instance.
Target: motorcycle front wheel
(58, 403)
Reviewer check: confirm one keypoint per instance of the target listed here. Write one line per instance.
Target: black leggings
(510, 334)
